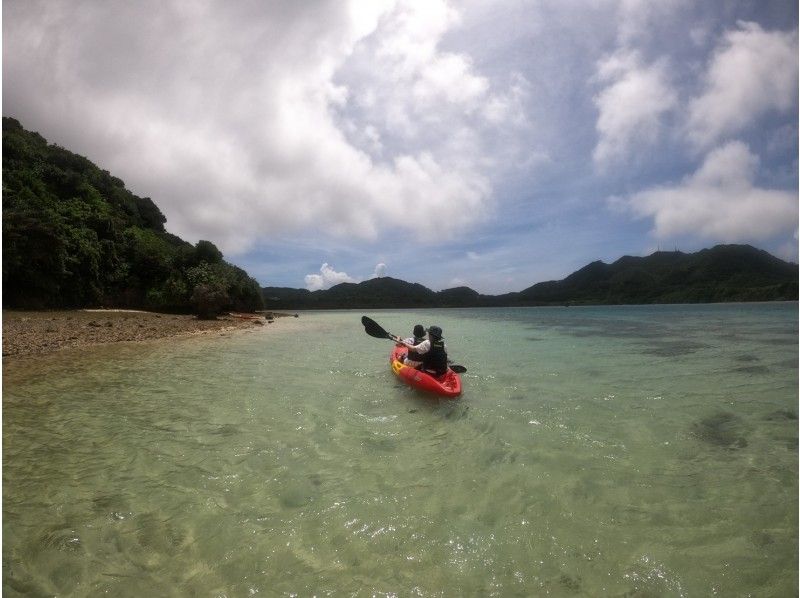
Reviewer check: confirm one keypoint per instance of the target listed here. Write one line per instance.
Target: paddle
(372, 328)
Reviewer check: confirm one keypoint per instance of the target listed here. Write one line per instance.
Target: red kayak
(447, 385)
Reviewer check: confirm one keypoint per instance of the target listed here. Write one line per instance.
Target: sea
(636, 451)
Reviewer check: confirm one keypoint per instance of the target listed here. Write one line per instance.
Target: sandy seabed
(41, 332)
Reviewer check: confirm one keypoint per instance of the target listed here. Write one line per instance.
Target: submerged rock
(781, 415)
(761, 539)
(570, 582)
(673, 348)
(721, 429)
(752, 369)
(296, 495)
(64, 539)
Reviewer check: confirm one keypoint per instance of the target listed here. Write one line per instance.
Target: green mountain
(377, 293)
(722, 273)
(74, 236)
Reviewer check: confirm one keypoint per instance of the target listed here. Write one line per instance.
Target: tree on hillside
(74, 236)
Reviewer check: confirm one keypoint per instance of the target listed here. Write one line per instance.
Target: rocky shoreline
(40, 332)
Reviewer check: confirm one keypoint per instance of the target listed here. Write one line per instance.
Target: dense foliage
(723, 273)
(74, 236)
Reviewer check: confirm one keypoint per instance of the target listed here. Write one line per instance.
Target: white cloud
(419, 95)
(327, 278)
(380, 271)
(240, 119)
(752, 72)
(719, 202)
(638, 18)
(788, 250)
(637, 94)
(631, 106)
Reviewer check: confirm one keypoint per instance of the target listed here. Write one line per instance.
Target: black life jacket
(413, 355)
(436, 358)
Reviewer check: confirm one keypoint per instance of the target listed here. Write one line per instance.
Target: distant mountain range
(722, 273)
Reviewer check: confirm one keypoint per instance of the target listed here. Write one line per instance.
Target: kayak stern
(448, 385)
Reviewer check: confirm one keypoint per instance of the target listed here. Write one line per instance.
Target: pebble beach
(27, 333)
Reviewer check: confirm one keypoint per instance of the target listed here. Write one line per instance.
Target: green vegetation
(74, 236)
(722, 273)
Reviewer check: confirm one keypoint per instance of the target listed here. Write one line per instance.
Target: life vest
(413, 355)
(436, 358)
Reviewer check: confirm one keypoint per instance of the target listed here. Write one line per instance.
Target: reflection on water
(596, 451)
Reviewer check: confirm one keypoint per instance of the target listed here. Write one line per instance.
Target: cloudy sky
(487, 143)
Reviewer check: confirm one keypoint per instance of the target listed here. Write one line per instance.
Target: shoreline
(37, 333)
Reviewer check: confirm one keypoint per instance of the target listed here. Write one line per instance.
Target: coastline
(36, 333)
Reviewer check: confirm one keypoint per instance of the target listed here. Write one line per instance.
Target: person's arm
(421, 348)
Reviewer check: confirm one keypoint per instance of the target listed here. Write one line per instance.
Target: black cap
(435, 331)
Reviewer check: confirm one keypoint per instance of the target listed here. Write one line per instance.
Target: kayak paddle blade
(372, 328)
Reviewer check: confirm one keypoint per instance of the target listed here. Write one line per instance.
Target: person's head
(435, 332)
(419, 330)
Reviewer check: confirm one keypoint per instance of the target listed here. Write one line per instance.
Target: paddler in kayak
(432, 352)
(413, 358)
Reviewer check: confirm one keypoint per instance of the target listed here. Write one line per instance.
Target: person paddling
(413, 358)
(435, 360)
(432, 351)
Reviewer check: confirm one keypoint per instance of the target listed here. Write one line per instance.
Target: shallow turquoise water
(608, 451)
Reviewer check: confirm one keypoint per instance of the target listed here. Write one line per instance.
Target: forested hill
(74, 236)
(722, 273)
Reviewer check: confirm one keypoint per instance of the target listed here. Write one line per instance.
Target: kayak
(448, 385)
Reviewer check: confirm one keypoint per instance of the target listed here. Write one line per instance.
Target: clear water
(609, 451)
